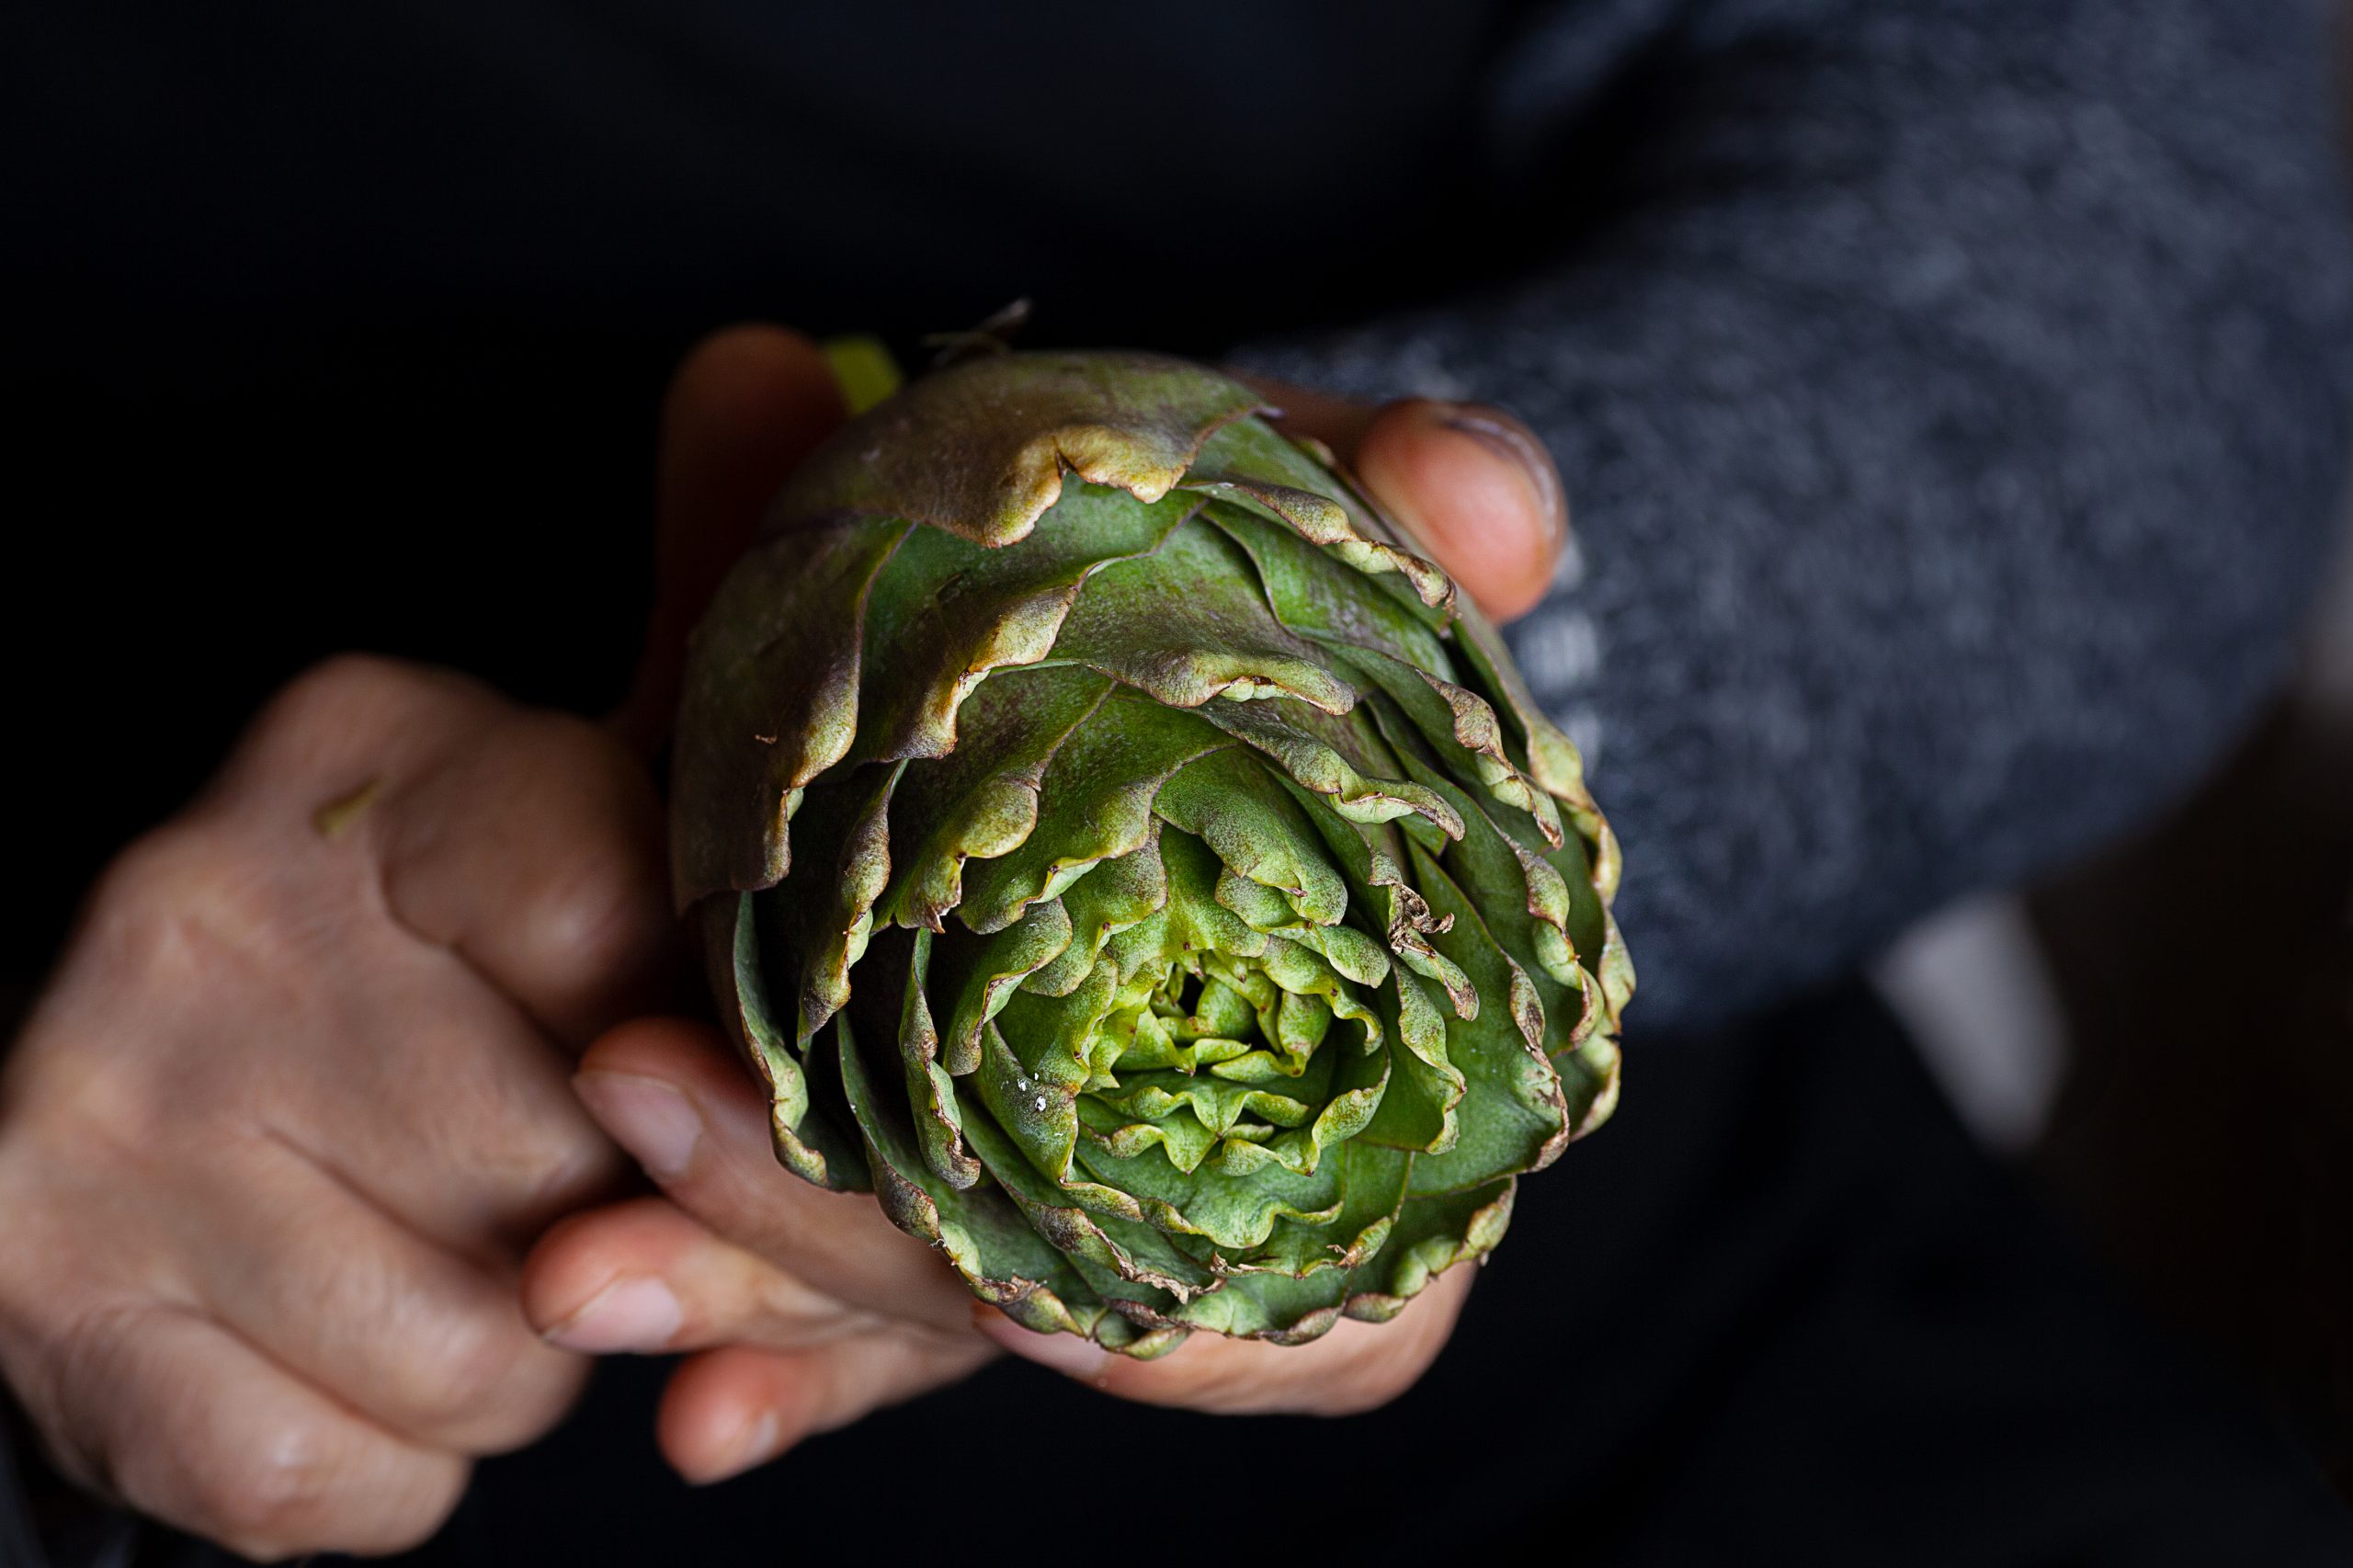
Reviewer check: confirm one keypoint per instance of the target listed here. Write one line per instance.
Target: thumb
(746, 405)
(1473, 486)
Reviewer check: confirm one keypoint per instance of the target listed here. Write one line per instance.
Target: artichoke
(1119, 852)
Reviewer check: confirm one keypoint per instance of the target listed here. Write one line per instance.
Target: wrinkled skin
(295, 1102)
(273, 1142)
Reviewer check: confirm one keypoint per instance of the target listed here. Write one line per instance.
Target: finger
(1356, 1367)
(422, 1339)
(746, 405)
(427, 1089)
(728, 1410)
(1339, 422)
(445, 1107)
(536, 853)
(675, 1096)
(461, 1122)
(187, 1422)
(1476, 486)
(1473, 485)
(529, 844)
(644, 1277)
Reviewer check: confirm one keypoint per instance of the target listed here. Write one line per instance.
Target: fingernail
(1508, 439)
(629, 1315)
(755, 1444)
(654, 1121)
(1065, 1353)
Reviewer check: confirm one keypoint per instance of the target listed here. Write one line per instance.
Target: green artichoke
(1123, 856)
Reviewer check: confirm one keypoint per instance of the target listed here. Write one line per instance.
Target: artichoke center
(1212, 1012)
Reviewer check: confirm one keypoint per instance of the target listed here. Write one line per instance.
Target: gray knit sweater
(1953, 417)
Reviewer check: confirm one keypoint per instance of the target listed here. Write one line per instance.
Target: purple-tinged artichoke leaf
(1249, 462)
(826, 916)
(1514, 1116)
(978, 449)
(945, 612)
(981, 800)
(1095, 805)
(1186, 623)
(770, 703)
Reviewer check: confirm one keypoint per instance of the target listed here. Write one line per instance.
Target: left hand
(809, 1308)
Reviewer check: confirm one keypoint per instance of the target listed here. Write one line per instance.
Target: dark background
(323, 329)
(331, 327)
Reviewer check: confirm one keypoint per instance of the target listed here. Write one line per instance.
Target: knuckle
(130, 1424)
(271, 1498)
(85, 1361)
(463, 1368)
(535, 1396)
(341, 681)
(325, 695)
(594, 911)
(465, 1371)
(181, 917)
(181, 900)
(602, 903)
(306, 1487)
(575, 821)
(347, 703)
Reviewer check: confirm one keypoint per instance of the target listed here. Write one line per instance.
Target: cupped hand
(275, 1137)
(808, 1308)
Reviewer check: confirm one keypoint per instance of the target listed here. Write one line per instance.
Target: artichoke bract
(1120, 853)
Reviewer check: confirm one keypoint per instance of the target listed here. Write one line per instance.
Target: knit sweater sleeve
(1952, 397)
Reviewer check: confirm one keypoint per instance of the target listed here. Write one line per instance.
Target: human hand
(274, 1140)
(809, 1309)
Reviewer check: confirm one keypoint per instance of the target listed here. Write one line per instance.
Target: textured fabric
(1953, 408)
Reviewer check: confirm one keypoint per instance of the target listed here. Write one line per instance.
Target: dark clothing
(1781, 1311)
(1952, 402)
(1951, 394)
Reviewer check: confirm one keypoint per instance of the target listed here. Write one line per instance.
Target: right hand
(275, 1138)
(272, 1140)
